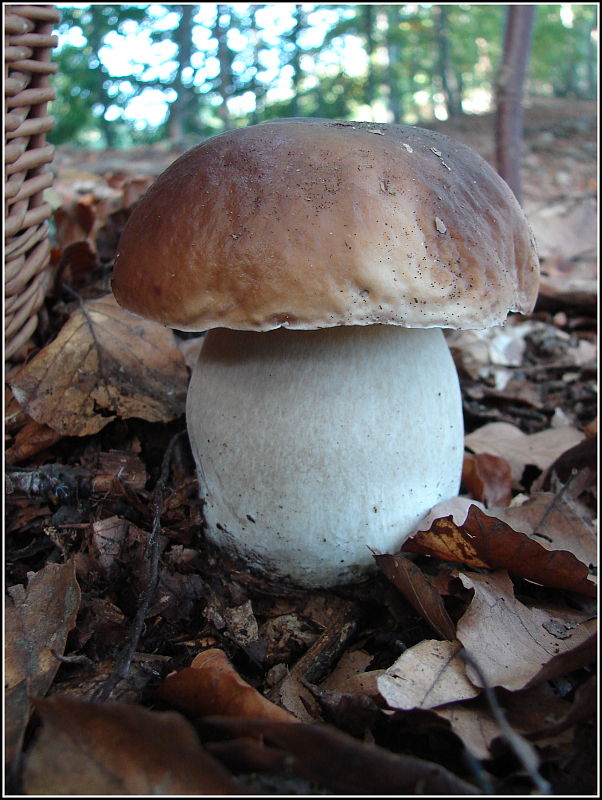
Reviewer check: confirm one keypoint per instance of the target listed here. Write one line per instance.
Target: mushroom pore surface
(313, 446)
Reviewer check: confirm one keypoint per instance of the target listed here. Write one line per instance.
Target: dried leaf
(484, 541)
(511, 643)
(211, 685)
(351, 676)
(518, 448)
(419, 591)
(551, 521)
(526, 711)
(487, 478)
(104, 363)
(345, 765)
(428, 675)
(33, 438)
(115, 748)
(37, 621)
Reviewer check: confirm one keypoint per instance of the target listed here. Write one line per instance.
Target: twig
(124, 660)
(553, 502)
(524, 750)
(316, 662)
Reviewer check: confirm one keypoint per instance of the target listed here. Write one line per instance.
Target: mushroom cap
(307, 223)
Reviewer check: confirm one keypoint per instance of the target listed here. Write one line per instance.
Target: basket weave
(27, 71)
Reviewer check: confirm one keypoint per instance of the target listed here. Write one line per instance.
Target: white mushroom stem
(314, 446)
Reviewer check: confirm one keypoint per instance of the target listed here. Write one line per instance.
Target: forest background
(135, 74)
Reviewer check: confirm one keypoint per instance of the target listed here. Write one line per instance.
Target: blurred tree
(214, 66)
(509, 94)
(85, 89)
(182, 114)
(564, 55)
(448, 77)
(224, 82)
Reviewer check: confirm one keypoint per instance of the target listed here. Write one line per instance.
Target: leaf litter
(503, 577)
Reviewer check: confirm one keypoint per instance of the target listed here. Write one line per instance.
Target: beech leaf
(555, 524)
(211, 685)
(428, 675)
(119, 749)
(419, 591)
(485, 541)
(518, 448)
(105, 363)
(516, 646)
(37, 621)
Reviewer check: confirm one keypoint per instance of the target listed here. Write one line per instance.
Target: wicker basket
(27, 71)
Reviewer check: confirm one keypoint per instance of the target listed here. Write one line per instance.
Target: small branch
(124, 659)
(523, 750)
(553, 503)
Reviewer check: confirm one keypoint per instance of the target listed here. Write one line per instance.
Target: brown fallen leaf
(428, 675)
(211, 685)
(554, 523)
(33, 438)
(119, 749)
(38, 619)
(487, 478)
(419, 591)
(518, 448)
(485, 541)
(516, 646)
(352, 676)
(343, 764)
(527, 712)
(105, 363)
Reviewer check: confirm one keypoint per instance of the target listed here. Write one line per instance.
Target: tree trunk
(295, 61)
(256, 87)
(449, 86)
(368, 22)
(393, 59)
(224, 56)
(181, 111)
(509, 94)
(95, 41)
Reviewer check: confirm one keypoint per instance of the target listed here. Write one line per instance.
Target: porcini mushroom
(324, 258)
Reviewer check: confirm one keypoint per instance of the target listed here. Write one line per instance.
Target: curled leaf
(211, 685)
(419, 591)
(485, 541)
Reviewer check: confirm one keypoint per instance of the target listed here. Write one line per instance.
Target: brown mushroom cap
(314, 223)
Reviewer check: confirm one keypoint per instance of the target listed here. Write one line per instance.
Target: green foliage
(411, 61)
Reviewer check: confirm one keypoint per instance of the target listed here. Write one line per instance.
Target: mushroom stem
(313, 446)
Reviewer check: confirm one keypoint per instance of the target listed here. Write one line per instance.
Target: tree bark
(295, 61)
(181, 111)
(224, 56)
(449, 87)
(509, 94)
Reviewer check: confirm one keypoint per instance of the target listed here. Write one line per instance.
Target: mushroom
(324, 258)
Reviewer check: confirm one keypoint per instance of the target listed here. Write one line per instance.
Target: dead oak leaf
(105, 363)
(516, 646)
(485, 541)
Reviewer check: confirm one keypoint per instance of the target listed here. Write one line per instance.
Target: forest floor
(464, 665)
